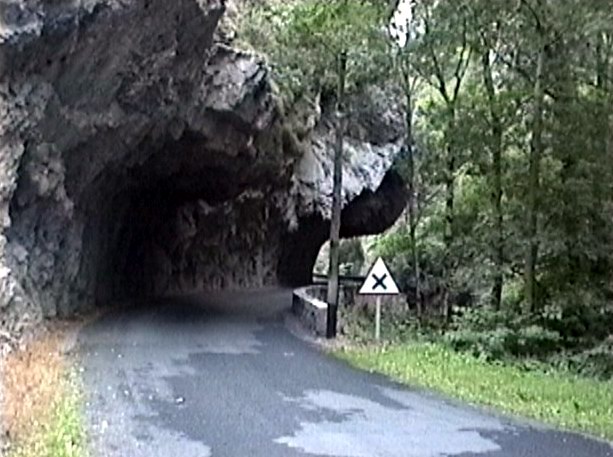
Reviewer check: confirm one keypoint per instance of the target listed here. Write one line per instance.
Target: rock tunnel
(141, 153)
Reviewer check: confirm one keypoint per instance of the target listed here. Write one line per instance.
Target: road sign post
(378, 319)
(379, 282)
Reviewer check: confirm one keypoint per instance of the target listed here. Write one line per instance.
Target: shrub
(497, 335)
(490, 345)
(581, 323)
(596, 362)
(535, 340)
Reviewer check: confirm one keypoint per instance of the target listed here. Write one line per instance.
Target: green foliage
(552, 396)
(351, 258)
(596, 362)
(581, 319)
(495, 335)
(303, 39)
(358, 326)
(64, 435)
(464, 125)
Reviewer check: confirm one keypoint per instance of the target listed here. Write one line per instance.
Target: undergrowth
(42, 408)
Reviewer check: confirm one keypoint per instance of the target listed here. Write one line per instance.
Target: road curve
(220, 375)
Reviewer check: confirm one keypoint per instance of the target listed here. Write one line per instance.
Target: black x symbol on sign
(379, 282)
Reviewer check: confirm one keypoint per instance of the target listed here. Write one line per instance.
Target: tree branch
(438, 72)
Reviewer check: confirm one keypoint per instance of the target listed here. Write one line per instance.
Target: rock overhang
(140, 156)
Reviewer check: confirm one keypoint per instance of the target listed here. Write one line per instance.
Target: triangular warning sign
(379, 281)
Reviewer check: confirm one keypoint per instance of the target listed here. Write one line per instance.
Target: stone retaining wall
(309, 305)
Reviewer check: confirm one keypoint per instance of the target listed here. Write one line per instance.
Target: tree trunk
(600, 177)
(413, 216)
(565, 143)
(335, 225)
(496, 144)
(449, 211)
(536, 151)
(607, 74)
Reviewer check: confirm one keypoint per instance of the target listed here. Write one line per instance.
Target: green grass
(63, 435)
(555, 398)
(66, 435)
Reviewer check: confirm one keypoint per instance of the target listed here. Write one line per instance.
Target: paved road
(222, 376)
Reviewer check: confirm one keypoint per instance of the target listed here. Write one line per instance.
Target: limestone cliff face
(140, 153)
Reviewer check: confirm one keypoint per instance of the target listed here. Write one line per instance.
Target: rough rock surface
(141, 154)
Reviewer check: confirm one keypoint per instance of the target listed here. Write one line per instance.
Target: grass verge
(555, 398)
(43, 402)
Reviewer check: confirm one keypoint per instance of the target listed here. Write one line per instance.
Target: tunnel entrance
(183, 217)
(195, 220)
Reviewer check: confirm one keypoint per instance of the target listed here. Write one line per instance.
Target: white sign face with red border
(379, 281)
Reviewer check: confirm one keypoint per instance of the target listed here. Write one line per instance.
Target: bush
(571, 338)
(496, 335)
(482, 319)
(596, 362)
(359, 323)
(491, 344)
(535, 340)
(355, 324)
(580, 320)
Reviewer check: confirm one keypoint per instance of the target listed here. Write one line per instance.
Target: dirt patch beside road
(37, 389)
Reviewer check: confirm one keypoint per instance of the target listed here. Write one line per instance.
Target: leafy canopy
(303, 40)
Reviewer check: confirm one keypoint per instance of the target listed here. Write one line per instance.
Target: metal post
(378, 319)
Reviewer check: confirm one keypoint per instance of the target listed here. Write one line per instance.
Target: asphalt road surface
(222, 376)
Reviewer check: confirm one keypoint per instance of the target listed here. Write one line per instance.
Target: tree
(328, 47)
(508, 152)
(443, 59)
(488, 21)
(536, 151)
(335, 224)
(402, 38)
